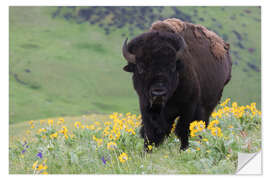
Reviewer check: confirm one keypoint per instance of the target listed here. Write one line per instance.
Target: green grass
(82, 152)
(61, 68)
(72, 70)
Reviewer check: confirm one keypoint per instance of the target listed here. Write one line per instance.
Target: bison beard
(179, 70)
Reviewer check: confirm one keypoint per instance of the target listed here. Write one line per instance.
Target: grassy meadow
(73, 110)
(98, 144)
(63, 64)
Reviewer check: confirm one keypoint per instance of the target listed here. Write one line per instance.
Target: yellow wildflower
(111, 145)
(99, 142)
(216, 132)
(213, 124)
(230, 126)
(107, 123)
(193, 133)
(214, 114)
(201, 125)
(234, 105)
(91, 127)
(41, 130)
(198, 148)
(99, 128)
(42, 167)
(106, 131)
(42, 121)
(94, 138)
(114, 135)
(194, 126)
(132, 131)
(97, 123)
(64, 130)
(31, 122)
(35, 165)
(60, 121)
(54, 135)
(205, 139)
(197, 126)
(28, 132)
(123, 157)
(150, 147)
(50, 122)
(111, 136)
(77, 124)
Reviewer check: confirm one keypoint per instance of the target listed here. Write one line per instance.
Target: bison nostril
(158, 92)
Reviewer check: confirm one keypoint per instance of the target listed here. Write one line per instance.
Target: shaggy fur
(217, 46)
(193, 82)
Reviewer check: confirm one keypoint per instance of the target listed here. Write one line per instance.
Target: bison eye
(140, 68)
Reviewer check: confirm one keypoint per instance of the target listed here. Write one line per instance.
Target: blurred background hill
(66, 61)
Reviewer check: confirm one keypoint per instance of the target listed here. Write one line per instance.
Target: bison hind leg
(202, 114)
(142, 131)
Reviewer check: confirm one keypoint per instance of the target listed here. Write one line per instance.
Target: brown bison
(179, 70)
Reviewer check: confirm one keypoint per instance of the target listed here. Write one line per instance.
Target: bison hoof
(147, 150)
(183, 147)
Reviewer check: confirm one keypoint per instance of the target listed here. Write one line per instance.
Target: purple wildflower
(25, 142)
(39, 155)
(103, 160)
(251, 50)
(23, 151)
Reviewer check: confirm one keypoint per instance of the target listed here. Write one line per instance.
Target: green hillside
(67, 61)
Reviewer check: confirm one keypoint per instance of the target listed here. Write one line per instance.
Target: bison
(179, 70)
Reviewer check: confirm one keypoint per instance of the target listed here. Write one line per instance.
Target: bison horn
(183, 46)
(127, 55)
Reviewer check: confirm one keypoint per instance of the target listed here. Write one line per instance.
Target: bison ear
(129, 68)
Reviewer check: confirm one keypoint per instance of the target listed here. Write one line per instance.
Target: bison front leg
(151, 137)
(153, 131)
(182, 126)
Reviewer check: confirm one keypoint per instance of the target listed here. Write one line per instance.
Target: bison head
(154, 60)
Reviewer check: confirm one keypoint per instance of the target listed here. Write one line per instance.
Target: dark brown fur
(193, 89)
